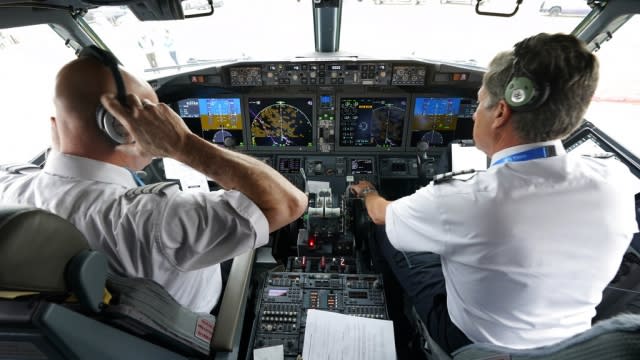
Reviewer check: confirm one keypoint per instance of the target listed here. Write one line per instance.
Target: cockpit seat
(43, 260)
(146, 308)
(616, 338)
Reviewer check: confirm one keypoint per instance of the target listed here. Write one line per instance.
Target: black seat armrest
(234, 300)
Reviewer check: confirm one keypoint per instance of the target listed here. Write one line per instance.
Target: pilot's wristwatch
(366, 191)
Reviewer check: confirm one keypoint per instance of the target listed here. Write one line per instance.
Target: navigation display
(372, 122)
(438, 121)
(218, 120)
(281, 122)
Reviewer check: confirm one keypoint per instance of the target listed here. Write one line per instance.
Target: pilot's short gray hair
(563, 62)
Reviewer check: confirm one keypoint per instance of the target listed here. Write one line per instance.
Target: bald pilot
(176, 238)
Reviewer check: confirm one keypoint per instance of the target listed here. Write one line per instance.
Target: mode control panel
(307, 73)
(245, 76)
(409, 75)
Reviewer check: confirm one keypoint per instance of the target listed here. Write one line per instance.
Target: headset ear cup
(520, 92)
(108, 124)
(100, 114)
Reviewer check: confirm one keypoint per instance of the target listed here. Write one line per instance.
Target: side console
(286, 297)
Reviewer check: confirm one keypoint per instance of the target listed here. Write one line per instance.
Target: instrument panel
(392, 110)
(390, 123)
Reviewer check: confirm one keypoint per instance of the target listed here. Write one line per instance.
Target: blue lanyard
(535, 153)
(136, 178)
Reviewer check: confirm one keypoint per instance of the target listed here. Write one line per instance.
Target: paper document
(330, 335)
(190, 179)
(467, 157)
(269, 353)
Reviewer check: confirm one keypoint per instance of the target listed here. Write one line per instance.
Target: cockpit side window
(616, 105)
(29, 60)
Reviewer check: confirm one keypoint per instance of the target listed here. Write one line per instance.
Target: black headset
(107, 123)
(523, 92)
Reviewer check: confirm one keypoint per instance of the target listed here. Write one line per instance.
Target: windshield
(441, 30)
(280, 29)
(29, 59)
(615, 107)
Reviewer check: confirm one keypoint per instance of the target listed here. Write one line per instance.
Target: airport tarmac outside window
(238, 30)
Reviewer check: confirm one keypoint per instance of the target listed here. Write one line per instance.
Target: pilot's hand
(360, 187)
(156, 129)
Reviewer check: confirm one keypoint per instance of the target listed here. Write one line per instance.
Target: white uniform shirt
(527, 247)
(173, 237)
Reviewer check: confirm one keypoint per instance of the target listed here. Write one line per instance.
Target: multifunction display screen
(218, 120)
(281, 122)
(439, 121)
(372, 122)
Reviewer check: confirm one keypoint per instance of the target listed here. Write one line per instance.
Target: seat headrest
(35, 247)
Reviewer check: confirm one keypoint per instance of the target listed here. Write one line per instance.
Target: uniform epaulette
(20, 168)
(442, 178)
(602, 155)
(157, 189)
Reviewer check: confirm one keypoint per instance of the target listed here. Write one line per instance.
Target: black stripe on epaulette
(602, 155)
(442, 178)
(157, 189)
(20, 169)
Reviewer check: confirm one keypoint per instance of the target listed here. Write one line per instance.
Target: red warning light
(312, 241)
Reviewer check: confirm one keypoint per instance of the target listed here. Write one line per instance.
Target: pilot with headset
(517, 255)
(155, 231)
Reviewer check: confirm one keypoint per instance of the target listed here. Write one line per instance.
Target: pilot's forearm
(280, 201)
(376, 207)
